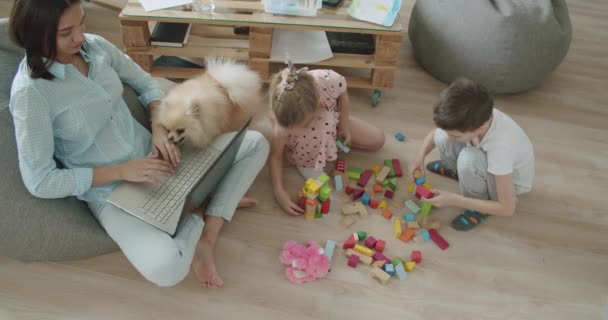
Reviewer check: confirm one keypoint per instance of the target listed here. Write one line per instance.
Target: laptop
(199, 173)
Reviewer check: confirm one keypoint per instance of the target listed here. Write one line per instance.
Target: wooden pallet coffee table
(213, 35)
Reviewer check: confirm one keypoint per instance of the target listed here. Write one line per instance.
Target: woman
(67, 104)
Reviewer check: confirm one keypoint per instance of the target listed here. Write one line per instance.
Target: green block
(354, 173)
(392, 183)
(389, 163)
(426, 208)
(361, 235)
(396, 261)
(324, 194)
(385, 183)
(318, 215)
(324, 178)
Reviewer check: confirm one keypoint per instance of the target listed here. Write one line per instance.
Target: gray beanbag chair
(507, 45)
(40, 229)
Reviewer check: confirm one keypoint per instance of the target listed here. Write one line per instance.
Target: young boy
(482, 148)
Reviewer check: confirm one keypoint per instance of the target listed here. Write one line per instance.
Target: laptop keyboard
(163, 202)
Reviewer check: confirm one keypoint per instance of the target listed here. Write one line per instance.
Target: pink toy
(416, 256)
(305, 262)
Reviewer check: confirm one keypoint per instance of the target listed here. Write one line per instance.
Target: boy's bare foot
(203, 265)
(247, 202)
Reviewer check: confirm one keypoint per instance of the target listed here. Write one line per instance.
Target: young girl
(311, 109)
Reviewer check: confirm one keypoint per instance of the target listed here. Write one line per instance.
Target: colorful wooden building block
(426, 208)
(338, 182)
(387, 214)
(380, 275)
(421, 180)
(341, 165)
(423, 193)
(349, 242)
(302, 202)
(370, 242)
(357, 194)
(373, 204)
(361, 235)
(392, 183)
(399, 136)
(366, 260)
(326, 206)
(412, 206)
(380, 264)
(380, 245)
(428, 185)
(389, 194)
(389, 163)
(348, 190)
(425, 235)
(353, 260)
(396, 261)
(383, 204)
(438, 239)
(397, 228)
(416, 256)
(350, 209)
(383, 174)
(365, 198)
(325, 193)
(407, 235)
(354, 173)
(379, 256)
(397, 168)
(409, 217)
(363, 250)
(362, 210)
(364, 178)
(311, 209)
(376, 169)
(330, 245)
(347, 221)
(378, 188)
(410, 188)
(400, 271)
(409, 266)
(388, 268)
(413, 225)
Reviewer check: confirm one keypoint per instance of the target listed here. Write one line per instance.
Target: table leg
(260, 43)
(137, 34)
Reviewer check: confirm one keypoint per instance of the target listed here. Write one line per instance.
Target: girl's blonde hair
(293, 96)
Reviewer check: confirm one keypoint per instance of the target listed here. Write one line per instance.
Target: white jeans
(472, 166)
(162, 259)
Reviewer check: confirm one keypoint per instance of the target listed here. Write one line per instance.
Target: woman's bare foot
(247, 202)
(203, 265)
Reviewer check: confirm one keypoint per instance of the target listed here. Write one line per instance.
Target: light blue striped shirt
(81, 121)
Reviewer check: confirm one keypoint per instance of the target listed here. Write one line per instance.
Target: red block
(379, 256)
(349, 243)
(380, 245)
(423, 192)
(349, 190)
(416, 256)
(389, 194)
(357, 194)
(370, 242)
(373, 204)
(340, 165)
(438, 239)
(353, 260)
(397, 168)
(364, 178)
(302, 202)
(325, 207)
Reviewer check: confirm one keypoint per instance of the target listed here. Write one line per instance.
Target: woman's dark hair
(463, 106)
(33, 27)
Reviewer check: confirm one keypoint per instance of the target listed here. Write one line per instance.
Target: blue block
(400, 271)
(329, 249)
(338, 182)
(388, 268)
(420, 181)
(399, 136)
(425, 235)
(342, 147)
(366, 198)
(409, 217)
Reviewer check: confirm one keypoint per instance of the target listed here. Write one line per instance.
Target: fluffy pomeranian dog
(218, 101)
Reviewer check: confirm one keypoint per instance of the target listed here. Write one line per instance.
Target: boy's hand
(417, 165)
(444, 199)
(285, 202)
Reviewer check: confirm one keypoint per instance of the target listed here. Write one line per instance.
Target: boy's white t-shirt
(509, 151)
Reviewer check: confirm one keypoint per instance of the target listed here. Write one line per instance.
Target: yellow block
(376, 169)
(428, 185)
(417, 174)
(397, 228)
(363, 250)
(383, 204)
(312, 187)
(410, 188)
(409, 266)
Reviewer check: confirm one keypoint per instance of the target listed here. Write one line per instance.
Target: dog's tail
(243, 85)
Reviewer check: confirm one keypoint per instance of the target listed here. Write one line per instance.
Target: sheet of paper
(151, 5)
(303, 46)
(381, 12)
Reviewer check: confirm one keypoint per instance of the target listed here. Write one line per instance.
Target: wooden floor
(549, 261)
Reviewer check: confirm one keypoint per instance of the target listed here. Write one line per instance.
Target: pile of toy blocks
(315, 197)
(369, 251)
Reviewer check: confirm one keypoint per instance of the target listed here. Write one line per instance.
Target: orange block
(377, 188)
(387, 213)
(407, 235)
